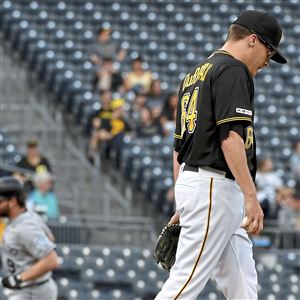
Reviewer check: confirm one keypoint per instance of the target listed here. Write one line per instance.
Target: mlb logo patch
(243, 111)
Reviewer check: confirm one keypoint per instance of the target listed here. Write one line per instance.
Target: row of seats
(121, 273)
(108, 273)
(147, 163)
(88, 36)
(116, 273)
(173, 10)
(8, 152)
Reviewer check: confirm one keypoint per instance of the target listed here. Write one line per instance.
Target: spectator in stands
(156, 110)
(295, 161)
(147, 126)
(267, 180)
(134, 113)
(42, 199)
(168, 115)
(106, 48)
(34, 162)
(99, 120)
(289, 211)
(155, 96)
(108, 77)
(103, 114)
(109, 137)
(273, 203)
(138, 78)
(267, 183)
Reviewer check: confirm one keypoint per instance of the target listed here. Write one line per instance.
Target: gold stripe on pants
(203, 242)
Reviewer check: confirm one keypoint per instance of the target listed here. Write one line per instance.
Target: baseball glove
(166, 246)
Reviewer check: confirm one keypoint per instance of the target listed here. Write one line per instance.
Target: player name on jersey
(199, 74)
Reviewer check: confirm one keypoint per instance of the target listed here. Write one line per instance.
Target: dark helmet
(10, 186)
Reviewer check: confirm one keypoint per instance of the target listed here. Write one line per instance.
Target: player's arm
(176, 166)
(233, 148)
(121, 54)
(43, 266)
(177, 145)
(127, 82)
(35, 241)
(234, 84)
(178, 135)
(95, 58)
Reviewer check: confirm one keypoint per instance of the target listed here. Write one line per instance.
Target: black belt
(196, 169)
(35, 284)
(190, 168)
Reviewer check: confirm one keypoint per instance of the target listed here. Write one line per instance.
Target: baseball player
(215, 164)
(28, 251)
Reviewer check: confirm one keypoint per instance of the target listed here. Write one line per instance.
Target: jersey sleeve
(232, 96)
(45, 228)
(35, 240)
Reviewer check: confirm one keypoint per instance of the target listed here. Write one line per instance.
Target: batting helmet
(10, 186)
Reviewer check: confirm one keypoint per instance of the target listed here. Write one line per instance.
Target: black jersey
(42, 166)
(218, 91)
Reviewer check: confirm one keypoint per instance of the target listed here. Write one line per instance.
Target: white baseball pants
(211, 242)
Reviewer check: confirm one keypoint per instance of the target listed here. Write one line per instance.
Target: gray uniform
(25, 242)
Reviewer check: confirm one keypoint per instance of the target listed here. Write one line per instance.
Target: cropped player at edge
(215, 164)
(28, 251)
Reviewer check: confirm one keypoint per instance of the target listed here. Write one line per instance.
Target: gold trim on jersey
(234, 119)
(177, 136)
(203, 242)
(223, 52)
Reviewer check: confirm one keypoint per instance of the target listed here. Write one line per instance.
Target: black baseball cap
(104, 29)
(32, 143)
(266, 27)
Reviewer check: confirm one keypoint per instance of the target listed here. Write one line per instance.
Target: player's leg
(235, 272)
(209, 214)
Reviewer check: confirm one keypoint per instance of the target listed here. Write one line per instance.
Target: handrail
(91, 232)
(118, 223)
(12, 168)
(281, 230)
(104, 219)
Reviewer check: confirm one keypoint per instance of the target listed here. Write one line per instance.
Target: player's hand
(12, 282)
(96, 123)
(95, 59)
(253, 224)
(174, 219)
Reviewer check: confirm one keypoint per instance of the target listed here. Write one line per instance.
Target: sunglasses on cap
(272, 52)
